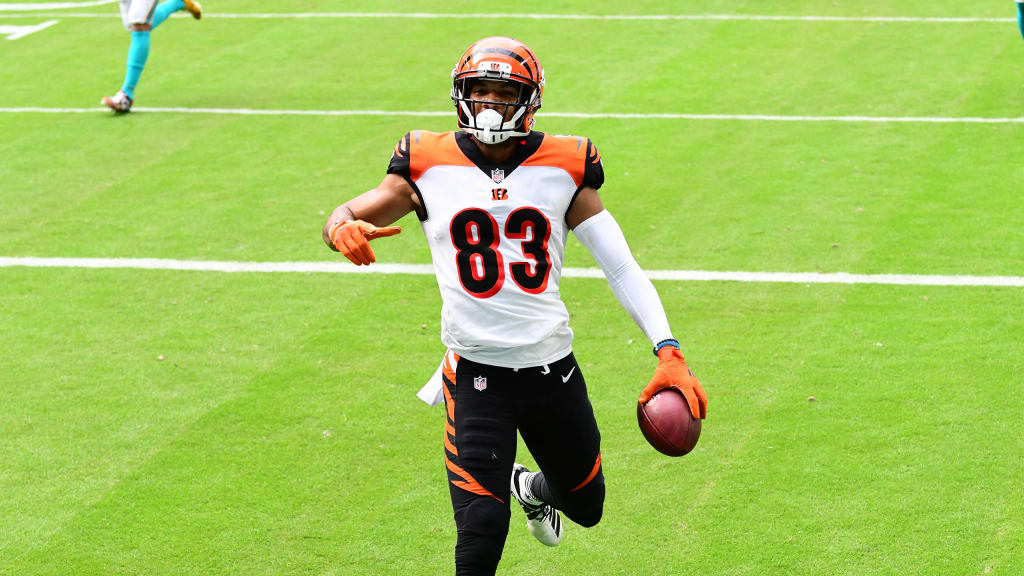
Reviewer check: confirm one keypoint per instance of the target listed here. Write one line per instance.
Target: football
(667, 423)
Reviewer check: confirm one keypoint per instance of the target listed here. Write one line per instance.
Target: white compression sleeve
(602, 236)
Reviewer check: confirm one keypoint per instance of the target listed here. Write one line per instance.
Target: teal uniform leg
(137, 55)
(165, 9)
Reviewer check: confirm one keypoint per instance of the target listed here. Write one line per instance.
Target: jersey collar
(524, 149)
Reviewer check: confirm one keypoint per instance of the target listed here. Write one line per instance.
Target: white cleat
(542, 519)
(119, 102)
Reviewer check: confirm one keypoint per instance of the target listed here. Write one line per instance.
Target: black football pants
(485, 407)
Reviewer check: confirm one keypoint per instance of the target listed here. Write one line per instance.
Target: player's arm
(600, 233)
(352, 225)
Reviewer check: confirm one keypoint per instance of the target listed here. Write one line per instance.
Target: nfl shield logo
(480, 383)
(498, 174)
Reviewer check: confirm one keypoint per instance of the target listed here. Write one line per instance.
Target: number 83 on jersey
(477, 236)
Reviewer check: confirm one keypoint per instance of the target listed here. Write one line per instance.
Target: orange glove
(352, 238)
(672, 372)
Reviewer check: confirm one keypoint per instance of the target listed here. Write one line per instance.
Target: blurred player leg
(1020, 16)
(138, 53)
(137, 16)
(164, 11)
(480, 447)
(168, 7)
(558, 426)
(141, 17)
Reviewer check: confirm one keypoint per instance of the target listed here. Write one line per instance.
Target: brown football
(667, 423)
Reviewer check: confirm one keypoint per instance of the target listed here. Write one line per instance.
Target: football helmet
(502, 59)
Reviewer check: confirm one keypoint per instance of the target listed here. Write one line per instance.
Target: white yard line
(427, 269)
(580, 115)
(16, 32)
(33, 7)
(502, 16)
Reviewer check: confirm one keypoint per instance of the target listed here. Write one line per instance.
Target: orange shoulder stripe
(566, 152)
(429, 149)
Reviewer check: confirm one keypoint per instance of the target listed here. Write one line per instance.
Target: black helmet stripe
(532, 55)
(518, 58)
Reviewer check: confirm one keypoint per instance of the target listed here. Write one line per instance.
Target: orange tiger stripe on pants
(468, 483)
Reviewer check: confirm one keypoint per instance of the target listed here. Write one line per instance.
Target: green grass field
(181, 422)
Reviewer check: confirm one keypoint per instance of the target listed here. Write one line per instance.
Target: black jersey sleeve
(400, 158)
(593, 171)
(400, 164)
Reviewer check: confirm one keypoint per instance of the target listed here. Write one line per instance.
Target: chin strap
(490, 134)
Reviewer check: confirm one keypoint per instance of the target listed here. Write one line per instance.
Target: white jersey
(497, 237)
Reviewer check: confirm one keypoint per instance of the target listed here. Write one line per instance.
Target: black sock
(540, 489)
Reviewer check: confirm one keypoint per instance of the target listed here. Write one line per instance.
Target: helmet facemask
(490, 126)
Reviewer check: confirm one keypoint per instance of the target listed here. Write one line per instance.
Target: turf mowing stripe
(581, 115)
(428, 269)
(640, 17)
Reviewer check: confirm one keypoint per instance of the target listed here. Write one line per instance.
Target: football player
(141, 17)
(496, 200)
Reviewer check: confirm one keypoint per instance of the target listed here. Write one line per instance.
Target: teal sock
(165, 9)
(137, 55)
(1020, 17)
